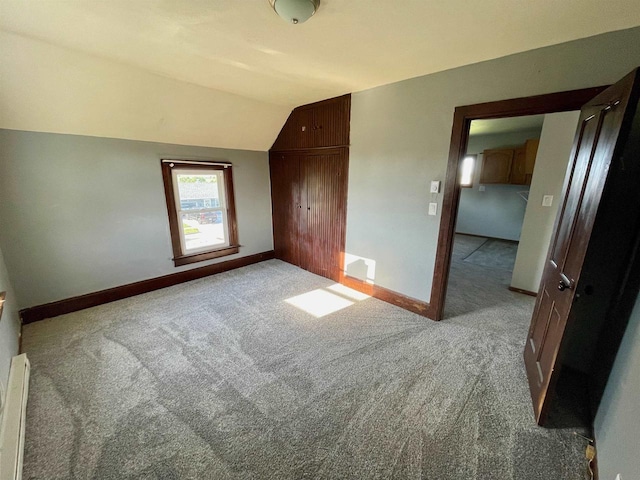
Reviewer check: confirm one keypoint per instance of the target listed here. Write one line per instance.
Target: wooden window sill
(201, 256)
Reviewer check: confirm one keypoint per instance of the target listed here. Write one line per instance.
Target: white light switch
(435, 187)
(433, 208)
(547, 200)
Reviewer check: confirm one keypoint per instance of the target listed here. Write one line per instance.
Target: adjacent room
(495, 183)
(512, 171)
(319, 239)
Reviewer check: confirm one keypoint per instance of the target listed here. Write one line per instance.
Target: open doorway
(495, 180)
(463, 117)
(511, 182)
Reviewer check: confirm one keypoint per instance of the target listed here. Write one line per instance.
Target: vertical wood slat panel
(326, 176)
(309, 197)
(317, 125)
(285, 201)
(309, 186)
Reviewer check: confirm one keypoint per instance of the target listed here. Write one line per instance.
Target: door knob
(564, 283)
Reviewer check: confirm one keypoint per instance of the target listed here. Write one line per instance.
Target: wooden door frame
(462, 118)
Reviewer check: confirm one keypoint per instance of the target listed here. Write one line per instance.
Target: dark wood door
(331, 123)
(286, 205)
(309, 198)
(324, 193)
(594, 148)
(304, 128)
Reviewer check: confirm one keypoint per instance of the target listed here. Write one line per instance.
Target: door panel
(330, 124)
(286, 205)
(324, 190)
(303, 124)
(594, 148)
(573, 189)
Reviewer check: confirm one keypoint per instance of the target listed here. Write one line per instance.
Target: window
(201, 210)
(467, 170)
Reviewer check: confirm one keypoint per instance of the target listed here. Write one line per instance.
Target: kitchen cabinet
(496, 165)
(509, 165)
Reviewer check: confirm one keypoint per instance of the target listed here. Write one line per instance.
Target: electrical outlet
(482, 188)
(433, 209)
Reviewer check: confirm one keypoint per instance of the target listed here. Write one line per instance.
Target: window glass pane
(467, 171)
(198, 191)
(203, 230)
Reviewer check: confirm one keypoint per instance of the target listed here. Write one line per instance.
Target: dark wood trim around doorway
(462, 118)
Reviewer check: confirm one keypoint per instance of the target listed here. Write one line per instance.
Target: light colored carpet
(222, 378)
(494, 253)
(476, 287)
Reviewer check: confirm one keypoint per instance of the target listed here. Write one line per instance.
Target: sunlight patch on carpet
(319, 302)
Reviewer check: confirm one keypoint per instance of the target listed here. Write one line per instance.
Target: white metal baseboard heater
(14, 419)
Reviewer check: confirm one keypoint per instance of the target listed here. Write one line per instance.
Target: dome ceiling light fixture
(295, 11)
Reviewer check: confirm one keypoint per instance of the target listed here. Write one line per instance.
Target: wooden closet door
(324, 196)
(286, 205)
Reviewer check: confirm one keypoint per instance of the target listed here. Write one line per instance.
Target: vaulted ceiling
(243, 47)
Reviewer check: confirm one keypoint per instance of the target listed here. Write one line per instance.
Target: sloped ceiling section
(46, 88)
(226, 72)
(243, 47)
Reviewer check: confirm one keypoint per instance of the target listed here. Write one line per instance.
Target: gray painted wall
(548, 176)
(400, 136)
(81, 214)
(617, 422)
(499, 210)
(9, 325)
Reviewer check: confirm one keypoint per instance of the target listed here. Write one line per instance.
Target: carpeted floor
(223, 378)
(482, 288)
(494, 253)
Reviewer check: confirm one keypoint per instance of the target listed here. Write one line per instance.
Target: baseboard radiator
(14, 419)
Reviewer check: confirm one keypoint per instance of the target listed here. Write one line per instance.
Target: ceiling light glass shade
(295, 11)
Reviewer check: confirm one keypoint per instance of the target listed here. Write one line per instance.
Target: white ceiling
(242, 47)
(506, 125)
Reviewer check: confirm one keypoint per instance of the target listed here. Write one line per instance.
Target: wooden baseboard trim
(53, 309)
(389, 296)
(526, 292)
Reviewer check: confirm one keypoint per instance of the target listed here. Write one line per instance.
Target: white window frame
(222, 198)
